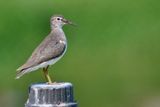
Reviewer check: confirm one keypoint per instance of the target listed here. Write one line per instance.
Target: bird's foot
(50, 83)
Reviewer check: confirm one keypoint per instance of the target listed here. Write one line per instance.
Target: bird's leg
(46, 74)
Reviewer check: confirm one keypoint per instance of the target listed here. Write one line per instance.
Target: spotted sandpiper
(50, 50)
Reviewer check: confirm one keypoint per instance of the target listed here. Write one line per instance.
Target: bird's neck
(55, 26)
(58, 31)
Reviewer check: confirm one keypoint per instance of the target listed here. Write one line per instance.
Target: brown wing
(50, 48)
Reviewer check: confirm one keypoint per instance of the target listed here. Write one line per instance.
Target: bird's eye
(58, 18)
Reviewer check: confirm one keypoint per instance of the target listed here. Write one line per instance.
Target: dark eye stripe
(58, 18)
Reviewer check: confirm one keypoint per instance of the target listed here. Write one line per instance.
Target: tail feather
(20, 74)
(21, 71)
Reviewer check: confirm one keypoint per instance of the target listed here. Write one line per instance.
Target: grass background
(112, 58)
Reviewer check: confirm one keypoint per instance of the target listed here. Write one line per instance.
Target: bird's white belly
(50, 62)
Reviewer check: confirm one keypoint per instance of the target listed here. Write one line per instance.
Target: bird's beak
(68, 22)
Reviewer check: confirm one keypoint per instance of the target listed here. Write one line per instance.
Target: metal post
(54, 95)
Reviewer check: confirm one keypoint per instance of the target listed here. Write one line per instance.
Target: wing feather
(50, 48)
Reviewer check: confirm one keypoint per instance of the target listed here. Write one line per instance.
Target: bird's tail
(22, 70)
(20, 73)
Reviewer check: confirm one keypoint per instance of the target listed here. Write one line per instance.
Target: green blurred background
(113, 57)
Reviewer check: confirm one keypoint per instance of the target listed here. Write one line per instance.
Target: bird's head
(59, 21)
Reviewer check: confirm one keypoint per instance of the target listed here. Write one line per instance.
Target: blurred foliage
(113, 57)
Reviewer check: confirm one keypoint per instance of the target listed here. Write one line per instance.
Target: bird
(49, 51)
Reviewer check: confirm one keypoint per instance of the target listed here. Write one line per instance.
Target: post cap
(51, 95)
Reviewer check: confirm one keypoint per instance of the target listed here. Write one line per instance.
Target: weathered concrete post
(51, 95)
